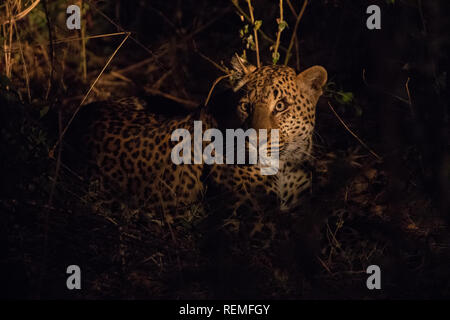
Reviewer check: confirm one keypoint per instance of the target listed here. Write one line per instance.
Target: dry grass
(354, 217)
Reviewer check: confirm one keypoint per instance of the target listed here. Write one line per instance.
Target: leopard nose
(261, 117)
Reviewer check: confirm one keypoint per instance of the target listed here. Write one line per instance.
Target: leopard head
(275, 97)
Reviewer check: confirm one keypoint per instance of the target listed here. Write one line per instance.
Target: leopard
(127, 147)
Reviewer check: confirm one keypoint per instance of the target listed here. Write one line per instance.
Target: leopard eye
(245, 106)
(280, 106)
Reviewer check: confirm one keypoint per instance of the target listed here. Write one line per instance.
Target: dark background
(393, 211)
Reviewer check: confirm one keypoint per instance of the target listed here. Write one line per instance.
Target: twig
(324, 265)
(51, 153)
(157, 92)
(280, 29)
(69, 39)
(7, 43)
(215, 64)
(104, 68)
(216, 17)
(214, 85)
(160, 81)
(421, 16)
(58, 164)
(27, 77)
(21, 14)
(83, 44)
(291, 7)
(51, 49)
(409, 96)
(294, 33)
(119, 27)
(157, 56)
(50, 205)
(120, 76)
(164, 17)
(354, 135)
(255, 32)
(136, 65)
(262, 33)
(381, 90)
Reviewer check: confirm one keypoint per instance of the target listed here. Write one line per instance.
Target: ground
(380, 191)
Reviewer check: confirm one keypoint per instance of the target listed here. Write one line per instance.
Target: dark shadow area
(381, 200)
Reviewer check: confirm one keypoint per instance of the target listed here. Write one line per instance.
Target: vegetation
(382, 182)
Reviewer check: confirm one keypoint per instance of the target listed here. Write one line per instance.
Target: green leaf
(358, 110)
(43, 111)
(275, 57)
(345, 97)
(244, 55)
(282, 25)
(258, 24)
(250, 43)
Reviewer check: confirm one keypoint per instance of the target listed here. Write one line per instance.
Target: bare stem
(52, 151)
(294, 33)
(83, 44)
(7, 41)
(214, 85)
(255, 32)
(409, 96)
(354, 135)
(20, 15)
(280, 29)
(261, 33)
(291, 7)
(27, 77)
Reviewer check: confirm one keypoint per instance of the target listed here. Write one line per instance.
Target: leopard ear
(241, 69)
(312, 80)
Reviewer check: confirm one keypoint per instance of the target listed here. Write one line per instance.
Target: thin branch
(7, 42)
(69, 39)
(291, 7)
(22, 14)
(119, 27)
(262, 33)
(120, 76)
(280, 29)
(324, 265)
(421, 16)
(214, 85)
(255, 32)
(52, 151)
(139, 64)
(51, 50)
(188, 103)
(294, 33)
(381, 90)
(83, 44)
(27, 77)
(215, 64)
(353, 134)
(161, 79)
(409, 96)
(215, 18)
